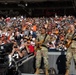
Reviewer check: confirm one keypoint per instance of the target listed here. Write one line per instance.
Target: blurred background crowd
(22, 32)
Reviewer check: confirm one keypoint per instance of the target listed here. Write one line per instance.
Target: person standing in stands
(42, 50)
(71, 51)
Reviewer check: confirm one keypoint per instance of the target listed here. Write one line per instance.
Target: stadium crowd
(22, 32)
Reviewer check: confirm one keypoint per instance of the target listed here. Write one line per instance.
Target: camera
(15, 46)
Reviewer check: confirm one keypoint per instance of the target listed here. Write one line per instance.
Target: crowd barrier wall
(57, 60)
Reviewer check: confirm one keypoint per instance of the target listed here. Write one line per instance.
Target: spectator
(29, 47)
(16, 53)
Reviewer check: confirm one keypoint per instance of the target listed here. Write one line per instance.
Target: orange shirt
(24, 27)
(56, 31)
(34, 28)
